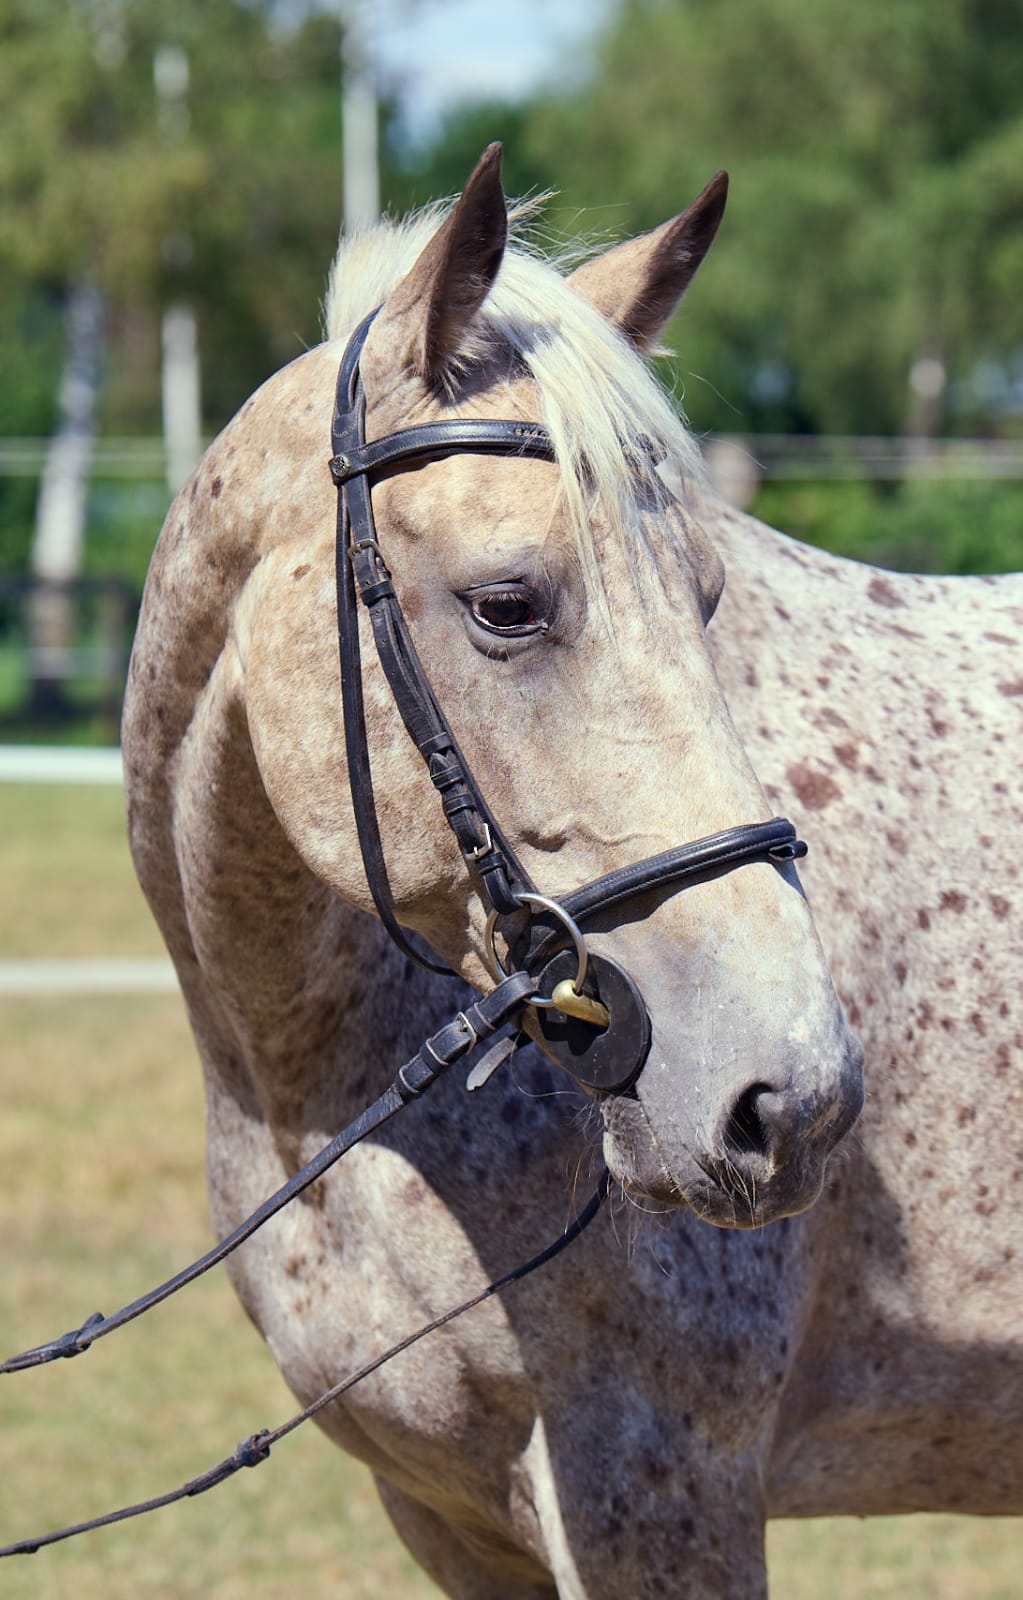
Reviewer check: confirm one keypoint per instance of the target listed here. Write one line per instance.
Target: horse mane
(617, 435)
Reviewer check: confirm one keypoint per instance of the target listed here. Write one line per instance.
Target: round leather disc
(607, 1059)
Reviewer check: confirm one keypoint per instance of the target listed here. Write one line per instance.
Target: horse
(803, 1296)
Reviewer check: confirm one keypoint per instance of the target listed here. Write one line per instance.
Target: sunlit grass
(102, 1195)
(896, 1558)
(68, 885)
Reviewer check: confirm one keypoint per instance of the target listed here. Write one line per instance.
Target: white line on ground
(27, 763)
(89, 977)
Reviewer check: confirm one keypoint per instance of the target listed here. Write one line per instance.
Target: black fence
(64, 651)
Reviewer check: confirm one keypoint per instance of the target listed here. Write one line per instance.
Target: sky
(439, 53)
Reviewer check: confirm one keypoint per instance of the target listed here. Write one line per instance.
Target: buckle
(483, 849)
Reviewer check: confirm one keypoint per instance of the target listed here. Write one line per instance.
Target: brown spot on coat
(1011, 690)
(215, 487)
(814, 790)
(882, 593)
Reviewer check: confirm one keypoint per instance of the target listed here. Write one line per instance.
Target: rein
(455, 1040)
(433, 1058)
(256, 1448)
(589, 1011)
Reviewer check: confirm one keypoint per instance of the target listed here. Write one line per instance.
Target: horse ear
(435, 303)
(637, 285)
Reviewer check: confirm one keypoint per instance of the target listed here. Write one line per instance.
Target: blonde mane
(617, 435)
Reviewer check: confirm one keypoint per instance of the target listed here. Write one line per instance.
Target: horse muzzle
(761, 1154)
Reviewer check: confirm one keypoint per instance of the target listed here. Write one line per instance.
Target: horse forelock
(619, 440)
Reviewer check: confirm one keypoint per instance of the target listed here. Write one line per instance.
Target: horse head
(560, 607)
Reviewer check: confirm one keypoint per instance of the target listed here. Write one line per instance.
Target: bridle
(588, 1009)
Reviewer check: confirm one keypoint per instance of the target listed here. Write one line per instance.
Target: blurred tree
(439, 168)
(30, 353)
(235, 207)
(875, 227)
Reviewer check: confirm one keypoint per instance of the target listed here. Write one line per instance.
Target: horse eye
(508, 611)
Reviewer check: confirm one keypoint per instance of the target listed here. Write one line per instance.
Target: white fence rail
(26, 763)
(777, 455)
(815, 456)
(85, 975)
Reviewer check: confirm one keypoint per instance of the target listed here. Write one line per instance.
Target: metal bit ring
(570, 926)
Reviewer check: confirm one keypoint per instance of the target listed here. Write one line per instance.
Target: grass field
(101, 1191)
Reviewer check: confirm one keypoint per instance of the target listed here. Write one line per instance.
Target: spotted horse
(781, 1311)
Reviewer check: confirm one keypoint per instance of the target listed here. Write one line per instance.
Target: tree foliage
(224, 192)
(876, 213)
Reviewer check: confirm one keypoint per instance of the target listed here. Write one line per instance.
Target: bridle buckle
(358, 545)
(484, 849)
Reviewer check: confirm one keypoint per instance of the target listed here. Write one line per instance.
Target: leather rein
(588, 1009)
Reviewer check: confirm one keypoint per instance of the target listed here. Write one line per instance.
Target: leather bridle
(588, 1009)
(604, 1055)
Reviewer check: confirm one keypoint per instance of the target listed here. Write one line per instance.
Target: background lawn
(101, 1190)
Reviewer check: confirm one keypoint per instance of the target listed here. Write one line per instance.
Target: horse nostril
(744, 1131)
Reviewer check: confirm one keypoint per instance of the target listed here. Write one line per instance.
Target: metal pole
(181, 389)
(56, 560)
(360, 156)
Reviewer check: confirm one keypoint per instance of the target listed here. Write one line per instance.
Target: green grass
(101, 1194)
(68, 884)
(896, 1558)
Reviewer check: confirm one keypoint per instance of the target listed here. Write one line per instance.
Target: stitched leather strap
(697, 862)
(360, 773)
(362, 572)
(686, 864)
(435, 439)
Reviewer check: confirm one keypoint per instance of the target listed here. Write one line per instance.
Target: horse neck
(805, 633)
(881, 711)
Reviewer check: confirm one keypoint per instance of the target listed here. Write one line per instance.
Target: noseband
(588, 1008)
